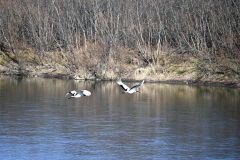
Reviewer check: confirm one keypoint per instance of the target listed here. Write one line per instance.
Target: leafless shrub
(150, 27)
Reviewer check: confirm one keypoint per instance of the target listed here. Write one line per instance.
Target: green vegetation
(156, 39)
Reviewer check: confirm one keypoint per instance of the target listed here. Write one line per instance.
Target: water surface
(161, 122)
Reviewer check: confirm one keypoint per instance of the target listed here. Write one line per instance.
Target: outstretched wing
(85, 93)
(122, 85)
(72, 93)
(136, 87)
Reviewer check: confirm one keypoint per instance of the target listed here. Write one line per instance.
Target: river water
(161, 122)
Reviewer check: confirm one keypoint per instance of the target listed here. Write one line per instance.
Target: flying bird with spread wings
(131, 90)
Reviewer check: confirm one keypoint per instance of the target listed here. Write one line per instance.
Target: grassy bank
(172, 41)
(91, 63)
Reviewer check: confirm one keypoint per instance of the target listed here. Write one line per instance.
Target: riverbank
(190, 69)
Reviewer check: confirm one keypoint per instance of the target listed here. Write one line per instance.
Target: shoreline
(226, 84)
(186, 69)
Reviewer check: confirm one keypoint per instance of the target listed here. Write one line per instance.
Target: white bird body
(131, 90)
(75, 94)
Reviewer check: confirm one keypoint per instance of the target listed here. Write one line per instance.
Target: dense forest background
(144, 29)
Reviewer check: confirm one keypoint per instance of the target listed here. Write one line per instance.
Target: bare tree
(182, 25)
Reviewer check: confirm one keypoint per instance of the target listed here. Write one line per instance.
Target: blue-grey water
(161, 122)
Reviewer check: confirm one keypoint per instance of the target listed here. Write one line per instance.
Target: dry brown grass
(92, 61)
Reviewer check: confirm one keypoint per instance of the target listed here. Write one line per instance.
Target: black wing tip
(123, 87)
